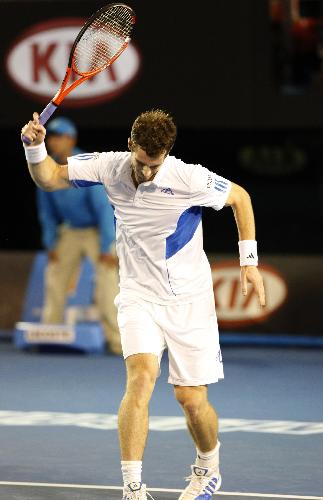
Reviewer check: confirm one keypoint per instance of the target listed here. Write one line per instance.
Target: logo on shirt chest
(167, 191)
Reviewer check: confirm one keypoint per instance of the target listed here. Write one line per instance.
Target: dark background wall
(214, 69)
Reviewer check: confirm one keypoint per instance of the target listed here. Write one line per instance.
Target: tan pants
(73, 245)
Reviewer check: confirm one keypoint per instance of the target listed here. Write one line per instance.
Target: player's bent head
(153, 131)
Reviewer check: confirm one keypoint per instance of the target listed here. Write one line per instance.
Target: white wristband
(248, 253)
(35, 154)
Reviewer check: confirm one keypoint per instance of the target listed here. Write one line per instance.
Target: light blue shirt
(76, 208)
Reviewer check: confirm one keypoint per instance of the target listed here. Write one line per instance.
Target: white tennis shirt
(159, 235)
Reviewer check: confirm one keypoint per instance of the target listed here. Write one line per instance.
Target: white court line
(108, 421)
(157, 490)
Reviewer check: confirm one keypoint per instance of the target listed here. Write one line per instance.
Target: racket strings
(103, 39)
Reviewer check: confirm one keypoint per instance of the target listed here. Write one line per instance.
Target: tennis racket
(102, 39)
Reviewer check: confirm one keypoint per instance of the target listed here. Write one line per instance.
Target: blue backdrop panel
(84, 335)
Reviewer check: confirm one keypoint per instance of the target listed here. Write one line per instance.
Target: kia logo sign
(237, 310)
(37, 61)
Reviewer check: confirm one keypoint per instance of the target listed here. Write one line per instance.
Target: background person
(77, 223)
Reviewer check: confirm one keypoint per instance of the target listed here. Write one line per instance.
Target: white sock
(207, 458)
(131, 471)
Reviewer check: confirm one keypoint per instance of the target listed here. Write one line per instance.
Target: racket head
(102, 39)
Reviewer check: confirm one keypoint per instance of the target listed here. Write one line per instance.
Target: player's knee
(191, 401)
(187, 396)
(192, 410)
(141, 384)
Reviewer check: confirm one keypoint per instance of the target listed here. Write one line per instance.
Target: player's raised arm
(240, 202)
(45, 172)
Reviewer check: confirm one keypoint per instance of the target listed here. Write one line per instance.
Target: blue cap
(61, 126)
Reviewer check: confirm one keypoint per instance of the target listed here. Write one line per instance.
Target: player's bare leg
(202, 422)
(142, 371)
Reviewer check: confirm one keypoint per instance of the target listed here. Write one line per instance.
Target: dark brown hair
(154, 131)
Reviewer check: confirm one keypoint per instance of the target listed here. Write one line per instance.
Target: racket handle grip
(25, 140)
(47, 113)
(43, 118)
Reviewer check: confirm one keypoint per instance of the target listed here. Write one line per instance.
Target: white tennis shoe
(135, 491)
(204, 482)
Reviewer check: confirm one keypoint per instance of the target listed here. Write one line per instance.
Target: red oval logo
(36, 63)
(236, 310)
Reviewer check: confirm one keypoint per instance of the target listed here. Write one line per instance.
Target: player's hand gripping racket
(102, 39)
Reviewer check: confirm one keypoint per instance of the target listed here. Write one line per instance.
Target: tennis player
(166, 295)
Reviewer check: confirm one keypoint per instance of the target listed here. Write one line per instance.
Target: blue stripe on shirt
(184, 232)
(220, 186)
(81, 183)
(84, 156)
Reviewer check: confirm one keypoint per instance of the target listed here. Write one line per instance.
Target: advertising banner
(293, 286)
(213, 67)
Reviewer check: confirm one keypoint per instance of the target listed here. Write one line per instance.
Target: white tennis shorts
(188, 331)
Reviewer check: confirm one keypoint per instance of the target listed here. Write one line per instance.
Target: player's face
(144, 168)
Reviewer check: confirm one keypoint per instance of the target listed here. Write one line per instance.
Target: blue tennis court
(59, 439)
(213, 105)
